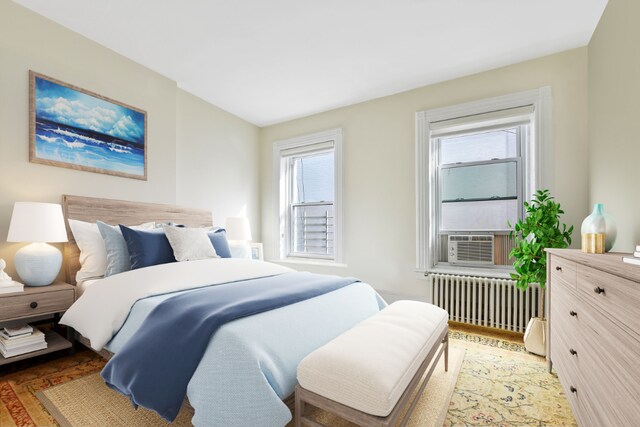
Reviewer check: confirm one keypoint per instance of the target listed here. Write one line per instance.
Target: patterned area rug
(18, 403)
(499, 385)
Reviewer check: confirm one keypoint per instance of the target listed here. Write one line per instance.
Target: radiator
(494, 303)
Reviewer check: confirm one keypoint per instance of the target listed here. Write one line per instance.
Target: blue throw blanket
(154, 368)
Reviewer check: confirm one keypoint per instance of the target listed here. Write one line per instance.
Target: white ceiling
(269, 61)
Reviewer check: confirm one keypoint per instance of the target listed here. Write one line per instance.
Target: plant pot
(535, 336)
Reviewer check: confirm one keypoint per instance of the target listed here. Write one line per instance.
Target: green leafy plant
(539, 230)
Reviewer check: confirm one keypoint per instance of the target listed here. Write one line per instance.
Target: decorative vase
(594, 231)
(535, 340)
(610, 233)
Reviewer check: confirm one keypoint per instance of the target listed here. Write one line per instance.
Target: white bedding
(82, 286)
(104, 306)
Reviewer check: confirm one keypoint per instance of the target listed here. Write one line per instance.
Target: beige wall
(217, 161)
(29, 41)
(379, 159)
(614, 125)
(187, 138)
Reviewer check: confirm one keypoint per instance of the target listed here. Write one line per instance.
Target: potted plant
(539, 230)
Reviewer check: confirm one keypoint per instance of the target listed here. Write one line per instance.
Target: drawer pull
(573, 352)
(573, 389)
(598, 290)
(33, 304)
(558, 268)
(573, 313)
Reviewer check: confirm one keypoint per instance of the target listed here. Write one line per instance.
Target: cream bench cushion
(369, 367)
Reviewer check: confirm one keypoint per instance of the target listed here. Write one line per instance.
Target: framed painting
(74, 128)
(256, 251)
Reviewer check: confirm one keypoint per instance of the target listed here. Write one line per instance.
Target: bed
(247, 374)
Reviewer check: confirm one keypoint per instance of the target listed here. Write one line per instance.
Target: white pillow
(190, 244)
(93, 255)
(93, 252)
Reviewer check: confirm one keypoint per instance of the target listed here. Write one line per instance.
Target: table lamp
(37, 264)
(239, 234)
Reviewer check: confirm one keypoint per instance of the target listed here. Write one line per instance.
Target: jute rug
(88, 402)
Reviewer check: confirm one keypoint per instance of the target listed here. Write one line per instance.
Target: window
(480, 180)
(477, 164)
(309, 192)
(311, 208)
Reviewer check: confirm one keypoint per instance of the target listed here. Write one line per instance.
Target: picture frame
(256, 251)
(75, 128)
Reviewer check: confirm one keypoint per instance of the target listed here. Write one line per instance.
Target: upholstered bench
(368, 374)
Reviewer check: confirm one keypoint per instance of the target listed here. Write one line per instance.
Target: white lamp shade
(238, 229)
(37, 222)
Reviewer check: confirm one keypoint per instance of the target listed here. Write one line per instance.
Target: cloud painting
(81, 130)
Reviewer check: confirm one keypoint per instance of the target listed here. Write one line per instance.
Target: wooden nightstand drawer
(33, 303)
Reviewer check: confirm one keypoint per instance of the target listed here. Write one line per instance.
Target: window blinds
(480, 122)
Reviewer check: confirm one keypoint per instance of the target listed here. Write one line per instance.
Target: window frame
(283, 152)
(533, 154)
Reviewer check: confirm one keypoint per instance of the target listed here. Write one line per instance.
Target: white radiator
(494, 303)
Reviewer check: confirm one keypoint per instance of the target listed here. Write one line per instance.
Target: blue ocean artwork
(75, 128)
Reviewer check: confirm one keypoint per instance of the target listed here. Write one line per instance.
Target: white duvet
(104, 306)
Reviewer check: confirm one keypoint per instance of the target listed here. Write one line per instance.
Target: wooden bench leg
(446, 351)
(298, 409)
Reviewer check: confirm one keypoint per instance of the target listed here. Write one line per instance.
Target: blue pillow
(147, 248)
(117, 254)
(118, 259)
(219, 241)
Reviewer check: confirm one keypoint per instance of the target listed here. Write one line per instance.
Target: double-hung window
(309, 192)
(477, 165)
(479, 192)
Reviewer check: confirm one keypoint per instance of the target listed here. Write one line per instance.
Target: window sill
(468, 271)
(311, 261)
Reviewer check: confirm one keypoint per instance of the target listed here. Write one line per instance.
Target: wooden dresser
(594, 335)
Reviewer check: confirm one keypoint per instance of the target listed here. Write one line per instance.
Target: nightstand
(35, 304)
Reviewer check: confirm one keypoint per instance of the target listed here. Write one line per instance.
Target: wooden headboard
(92, 209)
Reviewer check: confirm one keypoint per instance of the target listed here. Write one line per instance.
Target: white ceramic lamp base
(38, 264)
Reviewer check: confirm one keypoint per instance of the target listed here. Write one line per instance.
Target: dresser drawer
(611, 357)
(590, 352)
(564, 304)
(565, 311)
(594, 335)
(563, 272)
(616, 298)
(604, 389)
(566, 345)
(580, 397)
(32, 304)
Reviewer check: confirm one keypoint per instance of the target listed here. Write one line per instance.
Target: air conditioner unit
(469, 249)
